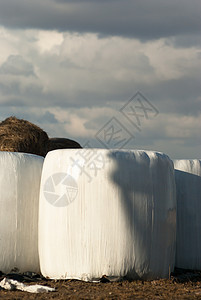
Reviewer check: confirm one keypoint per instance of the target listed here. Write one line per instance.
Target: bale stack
(18, 135)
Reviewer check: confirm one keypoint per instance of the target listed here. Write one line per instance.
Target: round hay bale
(62, 143)
(18, 135)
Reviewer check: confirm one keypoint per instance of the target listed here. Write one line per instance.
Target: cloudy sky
(109, 73)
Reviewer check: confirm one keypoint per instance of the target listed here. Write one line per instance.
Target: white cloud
(83, 69)
(49, 41)
(171, 63)
(82, 80)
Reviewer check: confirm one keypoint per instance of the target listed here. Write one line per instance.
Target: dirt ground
(183, 284)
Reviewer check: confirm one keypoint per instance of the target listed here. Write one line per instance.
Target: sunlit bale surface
(107, 212)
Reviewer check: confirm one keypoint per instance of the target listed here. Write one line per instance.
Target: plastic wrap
(19, 188)
(188, 186)
(107, 212)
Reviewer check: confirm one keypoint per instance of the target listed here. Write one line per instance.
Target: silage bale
(20, 176)
(188, 186)
(18, 135)
(107, 212)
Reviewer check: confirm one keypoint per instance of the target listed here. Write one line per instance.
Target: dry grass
(181, 285)
(18, 135)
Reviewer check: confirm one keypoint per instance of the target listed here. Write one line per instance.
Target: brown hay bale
(62, 143)
(18, 135)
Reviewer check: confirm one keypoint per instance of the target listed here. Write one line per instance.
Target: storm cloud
(141, 19)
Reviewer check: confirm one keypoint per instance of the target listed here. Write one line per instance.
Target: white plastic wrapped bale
(20, 176)
(107, 212)
(188, 186)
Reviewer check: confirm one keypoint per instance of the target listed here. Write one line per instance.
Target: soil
(183, 284)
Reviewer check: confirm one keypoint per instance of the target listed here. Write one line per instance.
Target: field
(183, 284)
